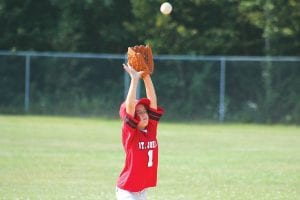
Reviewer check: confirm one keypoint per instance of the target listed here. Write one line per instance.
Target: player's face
(142, 113)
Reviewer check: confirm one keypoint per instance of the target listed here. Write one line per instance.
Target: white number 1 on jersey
(150, 158)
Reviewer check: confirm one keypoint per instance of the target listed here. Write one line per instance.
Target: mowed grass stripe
(80, 158)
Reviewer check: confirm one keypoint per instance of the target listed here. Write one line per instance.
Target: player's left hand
(132, 72)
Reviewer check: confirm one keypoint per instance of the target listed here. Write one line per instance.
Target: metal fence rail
(222, 60)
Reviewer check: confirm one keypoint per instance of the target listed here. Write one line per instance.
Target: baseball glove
(141, 59)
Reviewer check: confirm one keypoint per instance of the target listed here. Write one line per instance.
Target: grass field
(73, 158)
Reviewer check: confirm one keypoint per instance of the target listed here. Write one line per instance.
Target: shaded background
(265, 92)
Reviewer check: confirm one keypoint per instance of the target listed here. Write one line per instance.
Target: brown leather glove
(140, 58)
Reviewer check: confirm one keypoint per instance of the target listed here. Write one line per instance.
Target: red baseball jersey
(141, 148)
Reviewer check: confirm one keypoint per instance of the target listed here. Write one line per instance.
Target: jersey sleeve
(129, 130)
(154, 117)
(155, 114)
(130, 121)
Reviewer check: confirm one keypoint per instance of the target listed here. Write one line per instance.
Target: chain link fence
(190, 88)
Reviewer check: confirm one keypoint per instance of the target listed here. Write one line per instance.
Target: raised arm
(131, 95)
(150, 91)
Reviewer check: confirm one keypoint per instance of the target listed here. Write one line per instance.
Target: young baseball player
(140, 120)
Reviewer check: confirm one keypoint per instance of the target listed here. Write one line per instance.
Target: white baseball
(166, 8)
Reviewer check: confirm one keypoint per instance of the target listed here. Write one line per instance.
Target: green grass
(73, 158)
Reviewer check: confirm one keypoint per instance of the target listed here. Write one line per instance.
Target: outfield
(74, 158)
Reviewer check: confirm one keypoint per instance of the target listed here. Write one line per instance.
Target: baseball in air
(166, 8)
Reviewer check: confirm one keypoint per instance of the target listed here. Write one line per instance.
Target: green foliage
(28, 25)
(76, 86)
(279, 22)
(92, 26)
(195, 27)
(188, 93)
(237, 27)
(11, 84)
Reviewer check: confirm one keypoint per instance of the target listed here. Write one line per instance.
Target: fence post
(27, 83)
(222, 90)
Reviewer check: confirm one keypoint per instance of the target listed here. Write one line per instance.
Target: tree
(28, 24)
(92, 26)
(279, 21)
